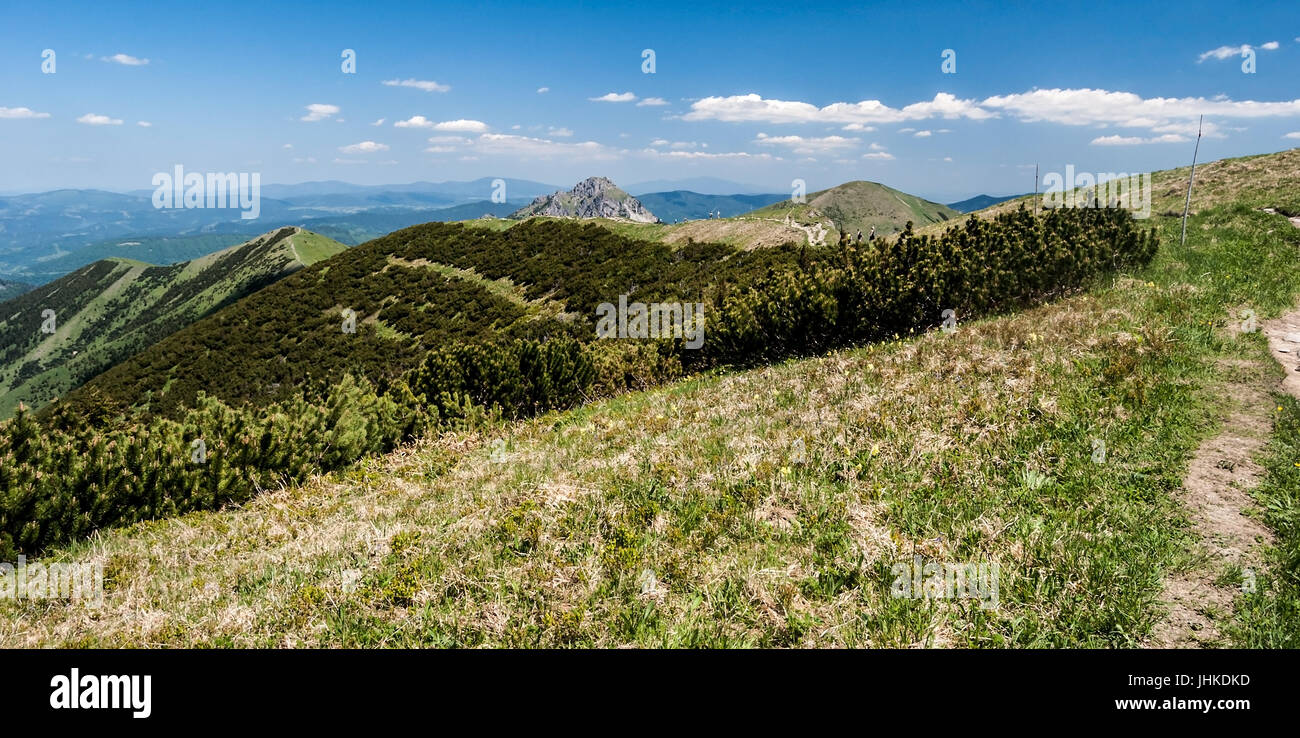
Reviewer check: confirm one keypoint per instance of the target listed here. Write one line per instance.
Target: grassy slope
(1270, 616)
(757, 508)
(128, 305)
(1263, 180)
(856, 206)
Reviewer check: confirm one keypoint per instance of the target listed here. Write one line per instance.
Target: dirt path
(1284, 344)
(293, 249)
(1216, 492)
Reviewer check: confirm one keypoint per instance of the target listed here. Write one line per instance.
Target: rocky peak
(593, 197)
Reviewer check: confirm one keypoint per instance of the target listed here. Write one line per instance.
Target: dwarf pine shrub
(78, 470)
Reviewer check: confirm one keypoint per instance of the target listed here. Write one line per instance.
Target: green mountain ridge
(859, 206)
(10, 289)
(62, 334)
(979, 202)
(676, 205)
(415, 290)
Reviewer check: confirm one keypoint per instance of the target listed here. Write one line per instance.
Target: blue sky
(761, 94)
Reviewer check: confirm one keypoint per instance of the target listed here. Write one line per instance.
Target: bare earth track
(1216, 493)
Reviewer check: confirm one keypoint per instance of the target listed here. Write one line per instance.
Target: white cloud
(125, 60)
(144, 124)
(1224, 52)
(523, 147)
(809, 144)
(752, 108)
(365, 147)
(677, 145)
(304, 160)
(876, 147)
(415, 121)
(651, 102)
(614, 97)
(94, 119)
(1137, 140)
(543, 90)
(419, 84)
(922, 134)
(466, 126)
(947, 158)
(20, 113)
(560, 132)
(1293, 134)
(379, 122)
(448, 140)
(1227, 52)
(859, 127)
(502, 144)
(1159, 115)
(287, 146)
(319, 111)
(1163, 115)
(881, 155)
(708, 155)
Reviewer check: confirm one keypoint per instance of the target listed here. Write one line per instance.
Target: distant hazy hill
(455, 191)
(686, 205)
(41, 227)
(360, 227)
(979, 202)
(9, 290)
(45, 235)
(351, 228)
(109, 310)
(857, 206)
(594, 197)
(149, 249)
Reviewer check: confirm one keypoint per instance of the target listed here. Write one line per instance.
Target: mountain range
(122, 320)
(979, 202)
(44, 236)
(57, 336)
(678, 205)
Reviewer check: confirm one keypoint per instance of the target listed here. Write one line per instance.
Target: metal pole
(1192, 178)
(1035, 190)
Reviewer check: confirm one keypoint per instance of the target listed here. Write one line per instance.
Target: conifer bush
(81, 468)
